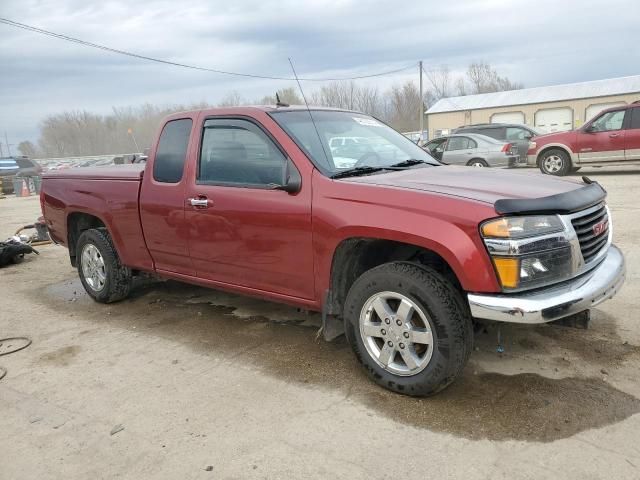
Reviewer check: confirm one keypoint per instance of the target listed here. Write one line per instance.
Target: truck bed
(108, 193)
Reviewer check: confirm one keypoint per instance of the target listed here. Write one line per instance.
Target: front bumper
(532, 160)
(554, 302)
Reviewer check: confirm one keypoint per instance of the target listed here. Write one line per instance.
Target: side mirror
(588, 129)
(292, 182)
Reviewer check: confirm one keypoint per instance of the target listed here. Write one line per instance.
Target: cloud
(536, 43)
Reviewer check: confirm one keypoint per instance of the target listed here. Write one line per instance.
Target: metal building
(550, 109)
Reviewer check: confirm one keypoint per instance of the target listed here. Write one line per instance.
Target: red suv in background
(611, 138)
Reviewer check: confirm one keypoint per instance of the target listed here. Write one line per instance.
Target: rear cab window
(168, 166)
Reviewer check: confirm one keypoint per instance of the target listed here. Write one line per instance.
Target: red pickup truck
(397, 251)
(610, 138)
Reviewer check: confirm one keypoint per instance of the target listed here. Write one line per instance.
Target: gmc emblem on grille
(599, 228)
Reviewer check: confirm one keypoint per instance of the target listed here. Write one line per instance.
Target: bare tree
(440, 80)
(485, 79)
(28, 149)
(232, 99)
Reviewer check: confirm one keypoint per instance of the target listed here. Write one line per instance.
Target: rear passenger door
(242, 231)
(459, 150)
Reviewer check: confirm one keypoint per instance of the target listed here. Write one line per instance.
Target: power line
(184, 65)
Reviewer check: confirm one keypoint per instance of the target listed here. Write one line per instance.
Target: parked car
(514, 133)
(473, 150)
(16, 166)
(610, 138)
(399, 252)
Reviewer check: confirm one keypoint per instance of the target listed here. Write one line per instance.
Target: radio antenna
(315, 127)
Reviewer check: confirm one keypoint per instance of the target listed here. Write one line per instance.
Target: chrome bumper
(555, 302)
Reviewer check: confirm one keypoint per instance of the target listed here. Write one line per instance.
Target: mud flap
(332, 326)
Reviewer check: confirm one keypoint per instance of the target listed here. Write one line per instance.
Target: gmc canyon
(397, 251)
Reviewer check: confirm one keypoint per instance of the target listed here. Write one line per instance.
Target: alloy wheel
(396, 333)
(93, 267)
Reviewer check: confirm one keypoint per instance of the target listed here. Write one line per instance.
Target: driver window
(236, 152)
(608, 121)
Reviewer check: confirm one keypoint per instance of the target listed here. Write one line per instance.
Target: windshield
(349, 140)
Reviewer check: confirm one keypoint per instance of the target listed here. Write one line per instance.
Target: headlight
(528, 251)
(521, 227)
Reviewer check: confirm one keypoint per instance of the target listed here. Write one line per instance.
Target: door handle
(613, 135)
(201, 202)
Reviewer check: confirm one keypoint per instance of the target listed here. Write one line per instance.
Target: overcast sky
(536, 42)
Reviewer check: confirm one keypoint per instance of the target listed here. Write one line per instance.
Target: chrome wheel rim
(553, 163)
(396, 333)
(477, 164)
(93, 268)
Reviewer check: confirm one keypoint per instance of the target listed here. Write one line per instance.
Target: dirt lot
(183, 382)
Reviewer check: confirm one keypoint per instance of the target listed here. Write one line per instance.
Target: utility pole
(421, 103)
(130, 132)
(6, 140)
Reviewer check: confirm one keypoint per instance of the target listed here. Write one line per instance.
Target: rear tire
(102, 275)
(555, 162)
(477, 162)
(424, 352)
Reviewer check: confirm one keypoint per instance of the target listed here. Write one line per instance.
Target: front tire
(409, 328)
(102, 275)
(555, 162)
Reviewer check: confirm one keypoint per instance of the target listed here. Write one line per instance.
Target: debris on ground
(13, 249)
(116, 429)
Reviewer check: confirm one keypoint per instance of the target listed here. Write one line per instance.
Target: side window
(497, 133)
(635, 118)
(436, 145)
(172, 151)
(458, 143)
(238, 153)
(515, 133)
(608, 121)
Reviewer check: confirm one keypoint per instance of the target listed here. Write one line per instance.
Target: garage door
(554, 119)
(593, 110)
(508, 117)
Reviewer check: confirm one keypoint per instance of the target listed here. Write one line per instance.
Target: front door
(242, 231)
(603, 140)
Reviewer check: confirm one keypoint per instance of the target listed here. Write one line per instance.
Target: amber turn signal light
(508, 270)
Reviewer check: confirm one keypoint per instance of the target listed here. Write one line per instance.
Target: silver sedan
(473, 149)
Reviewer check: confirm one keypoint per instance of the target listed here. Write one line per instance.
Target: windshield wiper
(355, 171)
(408, 163)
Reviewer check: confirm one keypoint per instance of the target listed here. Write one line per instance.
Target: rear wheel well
(355, 256)
(76, 224)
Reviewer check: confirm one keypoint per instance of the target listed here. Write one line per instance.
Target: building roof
(552, 93)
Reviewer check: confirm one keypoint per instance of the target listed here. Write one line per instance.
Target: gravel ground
(184, 382)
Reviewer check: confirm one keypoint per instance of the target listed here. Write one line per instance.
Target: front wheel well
(76, 224)
(548, 149)
(354, 256)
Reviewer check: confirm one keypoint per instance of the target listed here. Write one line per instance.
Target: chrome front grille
(592, 230)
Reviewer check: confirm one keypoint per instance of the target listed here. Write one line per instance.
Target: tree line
(132, 129)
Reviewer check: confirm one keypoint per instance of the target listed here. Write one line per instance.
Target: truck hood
(481, 184)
